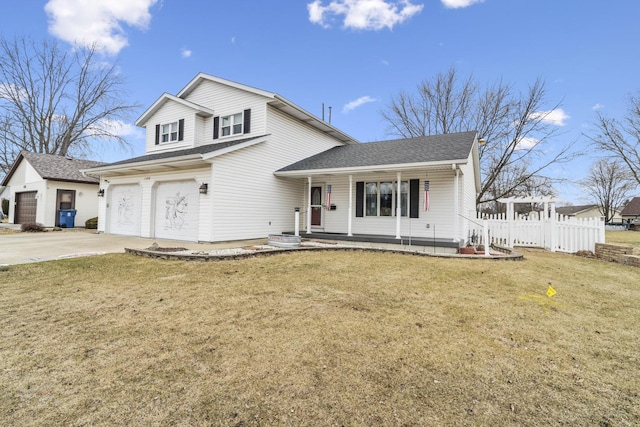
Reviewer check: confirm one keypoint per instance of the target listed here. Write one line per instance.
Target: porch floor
(377, 239)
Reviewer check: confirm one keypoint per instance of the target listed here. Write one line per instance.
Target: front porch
(421, 244)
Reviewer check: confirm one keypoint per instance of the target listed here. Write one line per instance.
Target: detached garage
(40, 185)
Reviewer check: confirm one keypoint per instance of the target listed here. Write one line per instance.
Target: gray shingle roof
(203, 149)
(632, 208)
(60, 168)
(572, 210)
(425, 149)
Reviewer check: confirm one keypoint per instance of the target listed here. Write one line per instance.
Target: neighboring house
(40, 185)
(631, 212)
(225, 161)
(587, 211)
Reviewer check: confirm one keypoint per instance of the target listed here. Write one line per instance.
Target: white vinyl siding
(250, 201)
(171, 112)
(225, 101)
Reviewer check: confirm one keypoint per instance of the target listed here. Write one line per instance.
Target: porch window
(381, 198)
(404, 198)
(372, 199)
(386, 199)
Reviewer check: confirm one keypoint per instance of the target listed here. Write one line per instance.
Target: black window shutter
(216, 125)
(180, 129)
(414, 198)
(360, 198)
(247, 121)
(157, 134)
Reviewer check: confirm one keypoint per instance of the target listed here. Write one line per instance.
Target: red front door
(316, 206)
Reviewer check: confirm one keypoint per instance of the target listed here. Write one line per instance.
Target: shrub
(91, 223)
(32, 227)
(5, 206)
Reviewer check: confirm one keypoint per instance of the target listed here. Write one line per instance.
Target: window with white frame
(231, 125)
(380, 198)
(169, 132)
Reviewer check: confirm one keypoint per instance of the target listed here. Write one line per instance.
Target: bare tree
(608, 184)
(621, 139)
(56, 101)
(515, 127)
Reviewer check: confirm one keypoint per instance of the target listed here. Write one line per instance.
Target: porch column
(398, 211)
(309, 206)
(456, 203)
(349, 233)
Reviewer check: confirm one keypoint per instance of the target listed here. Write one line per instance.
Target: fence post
(485, 236)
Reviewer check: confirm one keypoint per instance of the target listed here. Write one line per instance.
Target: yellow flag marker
(551, 292)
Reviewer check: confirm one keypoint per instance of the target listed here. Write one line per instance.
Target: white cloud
(116, 127)
(363, 14)
(11, 91)
(186, 53)
(556, 117)
(456, 4)
(233, 40)
(358, 102)
(527, 143)
(597, 107)
(86, 22)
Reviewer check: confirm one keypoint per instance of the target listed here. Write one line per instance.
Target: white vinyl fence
(553, 232)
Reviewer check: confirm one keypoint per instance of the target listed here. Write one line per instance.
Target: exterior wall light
(204, 188)
(101, 192)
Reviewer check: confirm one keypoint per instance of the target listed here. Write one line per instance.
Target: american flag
(328, 197)
(426, 196)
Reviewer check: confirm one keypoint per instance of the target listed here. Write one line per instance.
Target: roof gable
(56, 168)
(164, 98)
(272, 99)
(447, 148)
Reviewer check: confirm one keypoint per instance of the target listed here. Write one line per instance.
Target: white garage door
(125, 209)
(177, 207)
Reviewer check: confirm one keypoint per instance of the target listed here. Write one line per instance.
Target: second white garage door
(177, 208)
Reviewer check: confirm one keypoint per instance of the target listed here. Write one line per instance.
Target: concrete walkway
(21, 248)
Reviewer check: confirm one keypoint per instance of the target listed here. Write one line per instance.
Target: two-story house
(225, 161)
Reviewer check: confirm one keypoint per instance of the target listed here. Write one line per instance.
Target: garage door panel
(26, 207)
(125, 210)
(177, 210)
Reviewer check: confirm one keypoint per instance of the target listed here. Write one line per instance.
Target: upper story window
(169, 132)
(234, 124)
(231, 125)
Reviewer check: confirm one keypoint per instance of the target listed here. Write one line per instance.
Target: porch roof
(397, 154)
(172, 160)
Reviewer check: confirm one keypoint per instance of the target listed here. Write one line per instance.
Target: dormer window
(169, 132)
(231, 125)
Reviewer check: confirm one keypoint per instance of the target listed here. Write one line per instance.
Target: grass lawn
(623, 237)
(320, 339)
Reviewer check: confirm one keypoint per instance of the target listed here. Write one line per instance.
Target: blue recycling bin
(67, 218)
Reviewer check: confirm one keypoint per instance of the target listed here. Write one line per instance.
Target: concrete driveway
(21, 248)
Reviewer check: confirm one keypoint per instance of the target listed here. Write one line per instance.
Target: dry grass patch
(625, 237)
(329, 338)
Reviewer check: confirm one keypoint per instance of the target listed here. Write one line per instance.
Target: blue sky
(353, 55)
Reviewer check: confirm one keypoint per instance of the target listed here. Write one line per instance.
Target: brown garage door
(26, 205)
